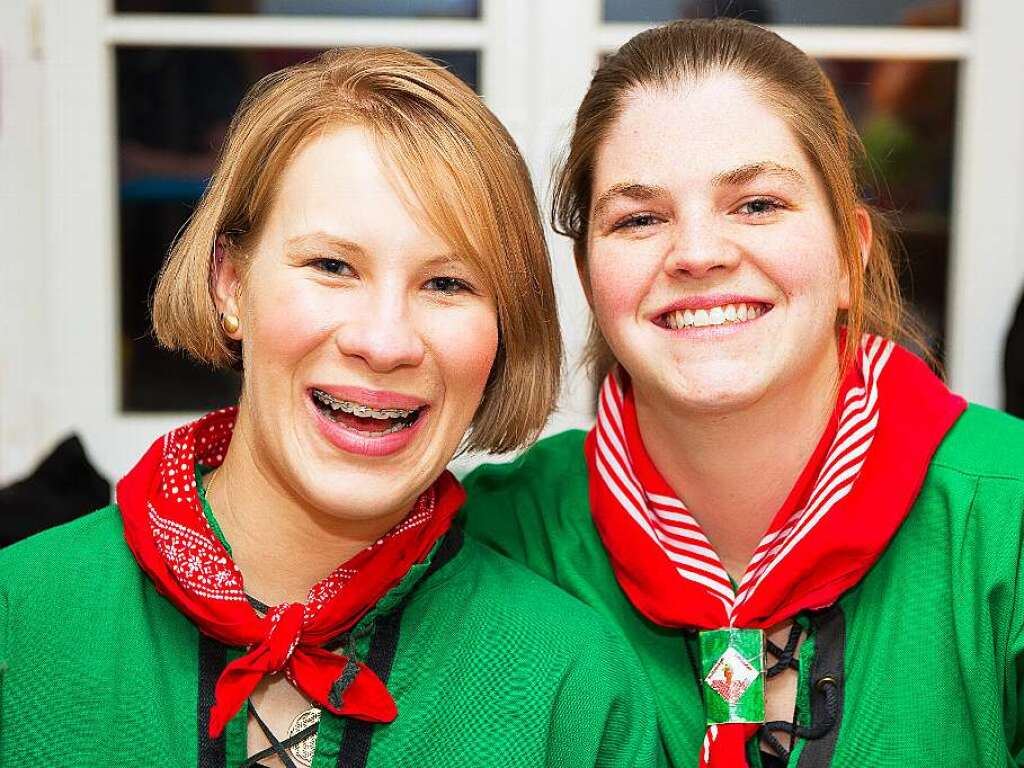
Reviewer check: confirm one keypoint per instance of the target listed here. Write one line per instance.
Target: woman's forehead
(700, 130)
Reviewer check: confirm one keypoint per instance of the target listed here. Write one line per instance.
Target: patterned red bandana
(851, 498)
(174, 544)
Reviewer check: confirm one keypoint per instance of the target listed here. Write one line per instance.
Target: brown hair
(793, 84)
(468, 177)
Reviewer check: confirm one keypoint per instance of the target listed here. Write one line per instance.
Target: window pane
(904, 111)
(448, 9)
(173, 106)
(917, 13)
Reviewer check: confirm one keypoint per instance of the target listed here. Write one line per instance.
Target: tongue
(364, 424)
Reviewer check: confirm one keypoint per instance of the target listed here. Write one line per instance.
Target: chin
(363, 499)
(718, 386)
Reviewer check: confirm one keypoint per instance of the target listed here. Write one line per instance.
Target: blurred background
(112, 113)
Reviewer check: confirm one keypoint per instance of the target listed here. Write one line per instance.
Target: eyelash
(330, 266)
(455, 285)
(636, 221)
(773, 206)
(641, 220)
(452, 285)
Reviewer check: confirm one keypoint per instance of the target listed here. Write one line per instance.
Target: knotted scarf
(177, 548)
(891, 414)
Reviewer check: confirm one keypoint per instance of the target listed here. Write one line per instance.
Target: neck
(281, 543)
(739, 467)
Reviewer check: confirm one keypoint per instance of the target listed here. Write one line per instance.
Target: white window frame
(59, 368)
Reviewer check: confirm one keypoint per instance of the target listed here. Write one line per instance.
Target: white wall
(24, 429)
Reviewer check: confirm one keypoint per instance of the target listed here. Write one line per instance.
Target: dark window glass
(448, 9)
(904, 112)
(930, 13)
(173, 107)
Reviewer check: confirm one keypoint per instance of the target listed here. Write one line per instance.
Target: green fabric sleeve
(3, 651)
(531, 509)
(617, 698)
(1015, 666)
(1017, 748)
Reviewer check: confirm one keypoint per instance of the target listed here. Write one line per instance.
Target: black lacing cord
(276, 747)
(787, 659)
(786, 656)
(355, 746)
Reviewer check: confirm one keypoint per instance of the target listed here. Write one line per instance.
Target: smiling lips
(367, 422)
(721, 314)
(362, 417)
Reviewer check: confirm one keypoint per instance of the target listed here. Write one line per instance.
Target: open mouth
(726, 314)
(372, 422)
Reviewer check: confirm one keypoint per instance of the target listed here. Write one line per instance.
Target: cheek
(464, 343)
(287, 319)
(616, 291)
(805, 267)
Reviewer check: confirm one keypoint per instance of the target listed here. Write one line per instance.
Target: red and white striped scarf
(854, 493)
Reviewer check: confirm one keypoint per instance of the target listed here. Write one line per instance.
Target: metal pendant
(303, 751)
(732, 662)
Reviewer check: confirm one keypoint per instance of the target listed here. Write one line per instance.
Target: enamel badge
(732, 662)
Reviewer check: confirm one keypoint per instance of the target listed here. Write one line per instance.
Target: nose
(699, 248)
(382, 332)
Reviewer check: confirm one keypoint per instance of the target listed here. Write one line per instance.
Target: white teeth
(363, 411)
(699, 318)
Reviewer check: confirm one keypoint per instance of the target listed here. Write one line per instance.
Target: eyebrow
(737, 177)
(630, 189)
(320, 241)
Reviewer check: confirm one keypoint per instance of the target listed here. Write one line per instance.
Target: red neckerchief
(174, 544)
(848, 503)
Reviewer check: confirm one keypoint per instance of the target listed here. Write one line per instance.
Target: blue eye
(637, 221)
(448, 285)
(761, 206)
(332, 266)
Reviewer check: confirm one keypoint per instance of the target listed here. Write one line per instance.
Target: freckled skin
(743, 399)
(701, 241)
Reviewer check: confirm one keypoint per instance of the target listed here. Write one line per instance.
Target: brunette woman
(280, 584)
(814, 547)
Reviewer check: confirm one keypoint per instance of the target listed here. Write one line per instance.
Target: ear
(862, 220)
(579, 253)
(226, 282)
(864, 234)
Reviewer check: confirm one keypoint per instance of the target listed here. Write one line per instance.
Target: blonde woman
(814, 547)
(281, 584)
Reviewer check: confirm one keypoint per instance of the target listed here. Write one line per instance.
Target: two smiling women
(812, 546)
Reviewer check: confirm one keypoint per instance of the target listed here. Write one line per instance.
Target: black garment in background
(1013, 364)
(64, 486)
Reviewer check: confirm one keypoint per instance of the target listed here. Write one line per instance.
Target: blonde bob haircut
(471, 185)
(794, 85)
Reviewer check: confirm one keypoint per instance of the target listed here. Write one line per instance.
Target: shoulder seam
(979, 475)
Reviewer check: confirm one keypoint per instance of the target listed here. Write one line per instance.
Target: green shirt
(930, 644)
(493, 667)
